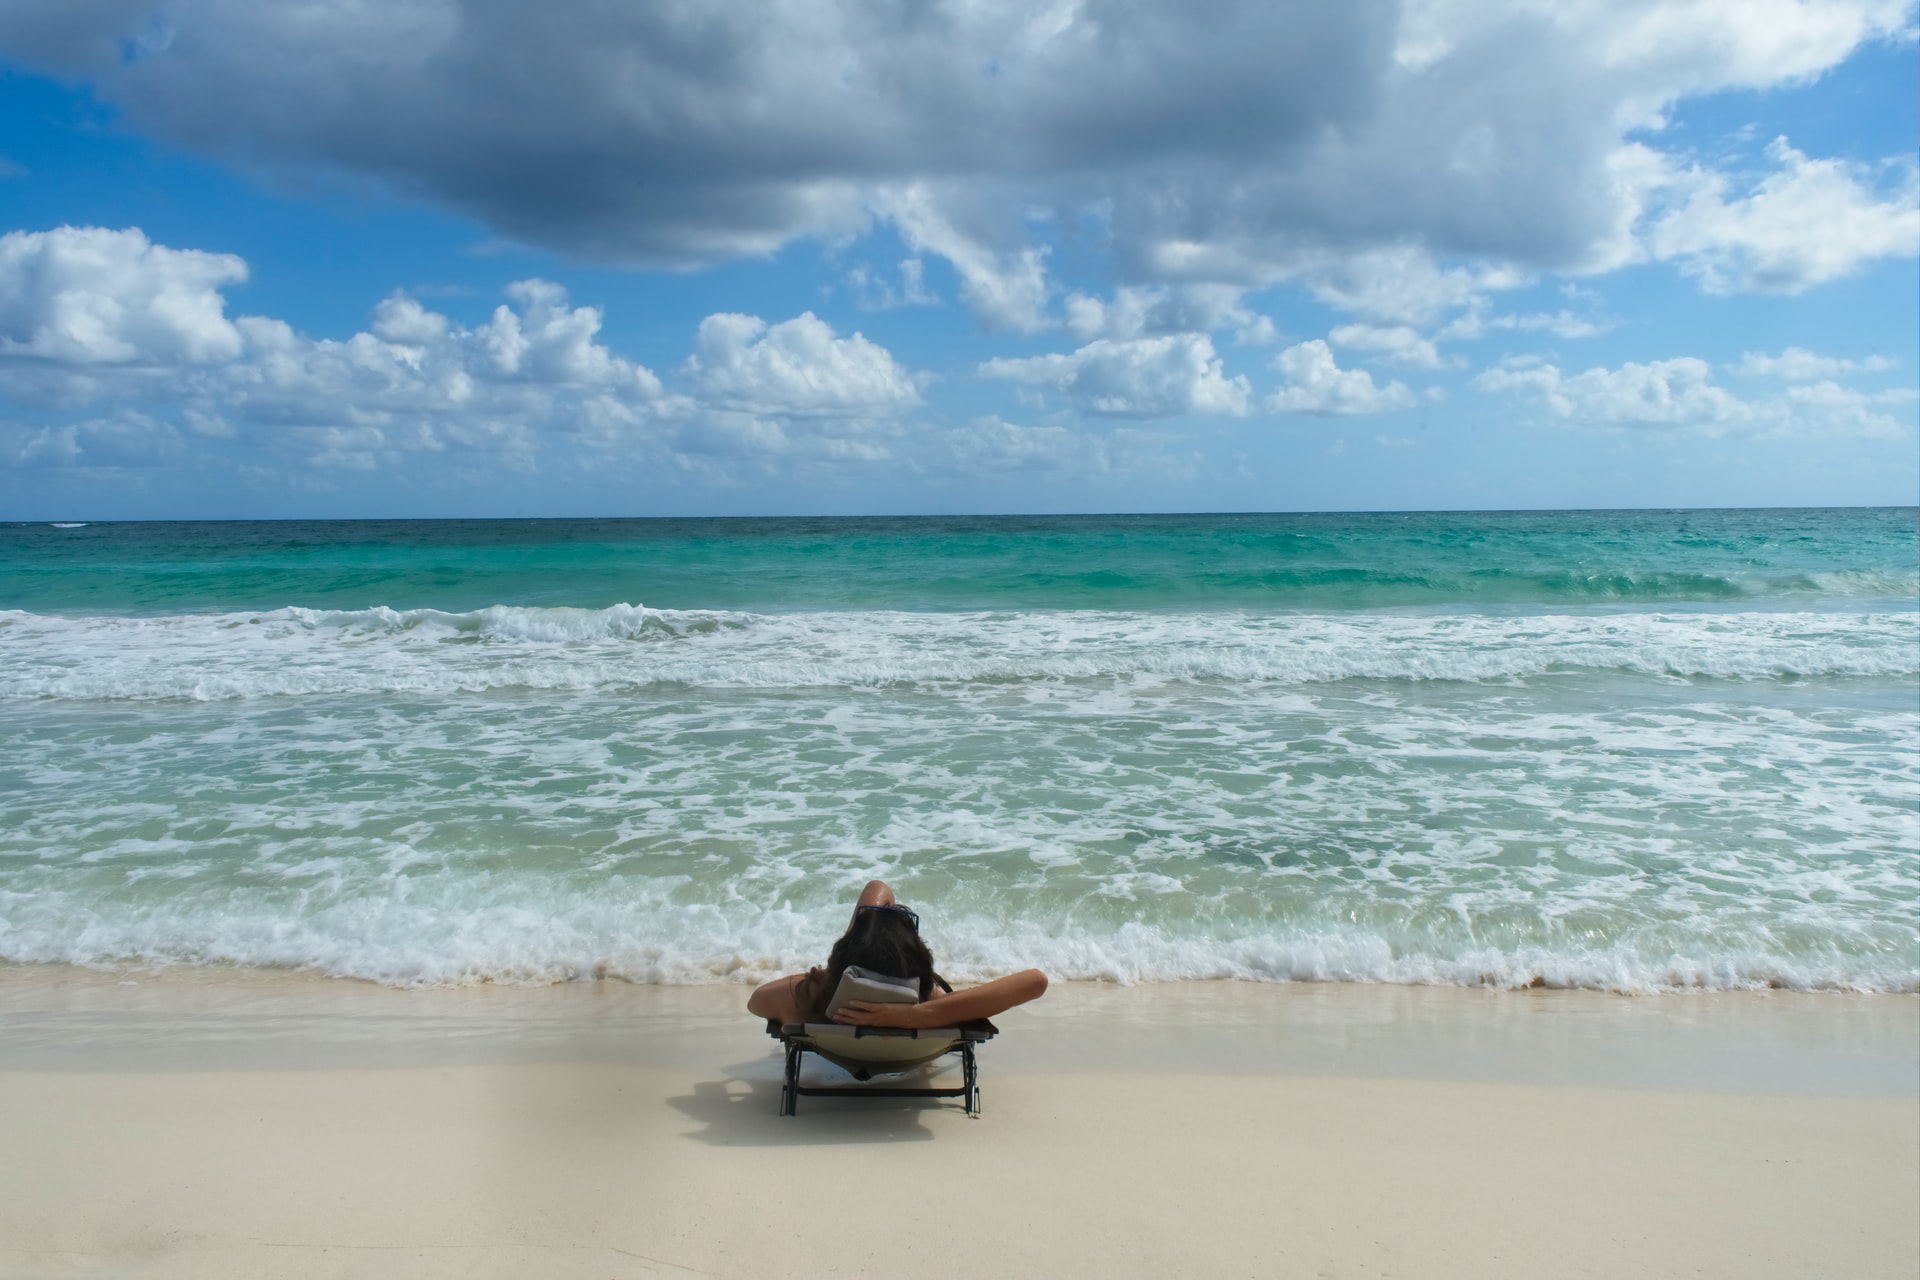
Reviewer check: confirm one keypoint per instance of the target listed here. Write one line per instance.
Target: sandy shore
(233, 1125)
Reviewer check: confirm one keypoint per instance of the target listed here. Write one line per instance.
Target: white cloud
(1676, 391)
(1258, 331)
(401, 319)
(418, 383)
(1402, 284)
(1797, 364)
(1162, 377)
(1735, 43)
(1007, 290)
(1398, 343)
(1680, 393)
(1807, 222)
(1827, 408)
(798, 367)
(1398, 160)
(90, 296)
(104, 317)
(1315, 384)
(1140, 311)
(551, 344)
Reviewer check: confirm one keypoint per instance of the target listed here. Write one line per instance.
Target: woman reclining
(884, 937)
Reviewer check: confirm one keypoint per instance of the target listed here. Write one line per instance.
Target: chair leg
(971, 1071)
(790, 1091)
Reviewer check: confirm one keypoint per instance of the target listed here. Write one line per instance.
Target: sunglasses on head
(912, 919)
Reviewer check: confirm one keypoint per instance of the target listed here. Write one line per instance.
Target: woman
(884, 937)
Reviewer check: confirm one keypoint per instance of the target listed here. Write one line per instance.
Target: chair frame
(798, 1043)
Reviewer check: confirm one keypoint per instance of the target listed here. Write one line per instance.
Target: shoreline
(65, 1017)
(242, 1124)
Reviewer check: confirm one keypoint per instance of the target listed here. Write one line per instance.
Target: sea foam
(540, 941)
(296, 651)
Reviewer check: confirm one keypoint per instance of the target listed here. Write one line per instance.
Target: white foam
(293, 652)
(531, 941)
(1390, 798)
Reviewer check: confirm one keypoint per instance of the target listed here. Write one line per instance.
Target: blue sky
(440, 259)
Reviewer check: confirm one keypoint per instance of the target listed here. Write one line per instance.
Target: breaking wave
(297, 651)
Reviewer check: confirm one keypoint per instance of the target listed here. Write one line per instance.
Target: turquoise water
(1626, 750)
(1300, 562)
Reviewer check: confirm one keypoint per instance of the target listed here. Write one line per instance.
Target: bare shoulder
(777, 1000)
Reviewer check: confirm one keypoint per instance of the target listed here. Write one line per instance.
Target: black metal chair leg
(972, 1081)
(790, 1091)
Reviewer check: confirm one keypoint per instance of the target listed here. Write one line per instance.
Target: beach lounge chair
(866, 1052)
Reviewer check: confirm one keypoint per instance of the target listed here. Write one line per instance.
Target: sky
(428, 258)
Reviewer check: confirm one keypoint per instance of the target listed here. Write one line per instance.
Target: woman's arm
(776, 1000)
(878, 893)
(983, 1001)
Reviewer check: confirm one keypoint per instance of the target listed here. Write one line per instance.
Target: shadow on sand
(743, 1110)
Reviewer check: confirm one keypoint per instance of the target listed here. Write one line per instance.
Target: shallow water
(1629, 751)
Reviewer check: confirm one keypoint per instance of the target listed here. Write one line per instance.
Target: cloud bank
(1397, 159)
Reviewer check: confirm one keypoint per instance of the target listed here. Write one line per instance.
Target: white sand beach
(196, 1125)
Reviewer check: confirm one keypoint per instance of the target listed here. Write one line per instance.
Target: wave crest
(297, 651)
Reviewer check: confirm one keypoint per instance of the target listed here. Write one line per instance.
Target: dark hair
(882, 941)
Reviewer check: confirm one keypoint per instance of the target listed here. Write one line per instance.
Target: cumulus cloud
(1807, 222)
(1401, 284)
(1161, 377)
(1398, 343)
(1670, 392)
(93, 319)
(1681, 393)
(1396, 159)
(91, 296)
(1316, 384)
(798, 367)
(754, 400)
(416, 382)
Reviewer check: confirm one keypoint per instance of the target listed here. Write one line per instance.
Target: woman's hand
(867, 1013)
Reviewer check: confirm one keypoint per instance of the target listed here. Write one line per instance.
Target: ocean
(1634, 751)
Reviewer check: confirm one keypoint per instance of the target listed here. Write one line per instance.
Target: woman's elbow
(768, 999)
(1036, 983)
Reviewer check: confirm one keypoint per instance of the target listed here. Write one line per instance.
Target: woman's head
(884, 940)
